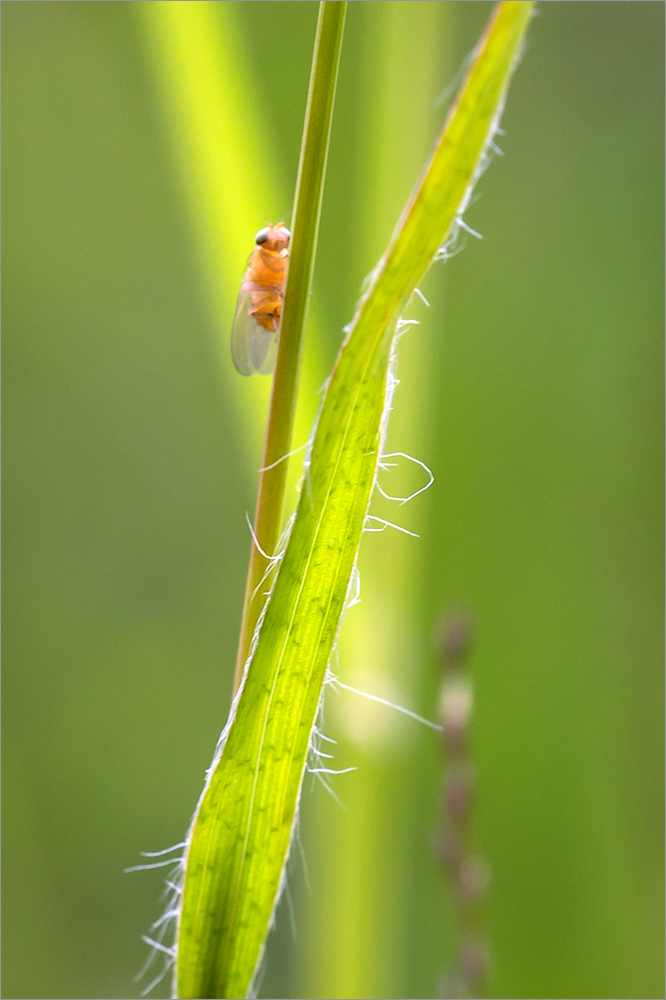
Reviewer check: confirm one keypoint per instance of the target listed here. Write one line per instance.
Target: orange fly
(256, 325)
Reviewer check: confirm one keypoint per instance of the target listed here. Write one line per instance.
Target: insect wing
(253, 347)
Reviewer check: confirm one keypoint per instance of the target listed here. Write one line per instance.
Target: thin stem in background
(282, 407)
(467, 873)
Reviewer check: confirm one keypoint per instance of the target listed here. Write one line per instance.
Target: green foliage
(238, 844)
(533, 389)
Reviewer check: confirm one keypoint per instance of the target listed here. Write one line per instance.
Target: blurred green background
(532, 388)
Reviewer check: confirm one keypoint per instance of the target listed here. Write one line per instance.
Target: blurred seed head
(455, 709)
(454, 639)
(473, 880)
(474, 962)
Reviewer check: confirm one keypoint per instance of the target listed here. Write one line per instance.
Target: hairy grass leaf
(239, 840)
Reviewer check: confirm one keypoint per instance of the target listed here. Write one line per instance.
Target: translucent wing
(253, 347)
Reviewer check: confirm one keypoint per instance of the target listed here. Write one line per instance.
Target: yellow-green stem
(282, 407)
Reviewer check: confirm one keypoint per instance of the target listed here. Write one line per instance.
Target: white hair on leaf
(383, 464)
(384, 524)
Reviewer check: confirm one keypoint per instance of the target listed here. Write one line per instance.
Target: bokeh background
(144, 144)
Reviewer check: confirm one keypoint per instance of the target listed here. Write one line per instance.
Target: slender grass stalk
(307, 212)
(467, 873)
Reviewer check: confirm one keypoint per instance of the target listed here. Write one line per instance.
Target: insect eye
(286, 234)
(261, 236)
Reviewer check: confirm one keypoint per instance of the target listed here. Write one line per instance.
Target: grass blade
(240, 836)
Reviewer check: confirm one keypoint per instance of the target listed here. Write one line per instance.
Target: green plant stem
(282, 407)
